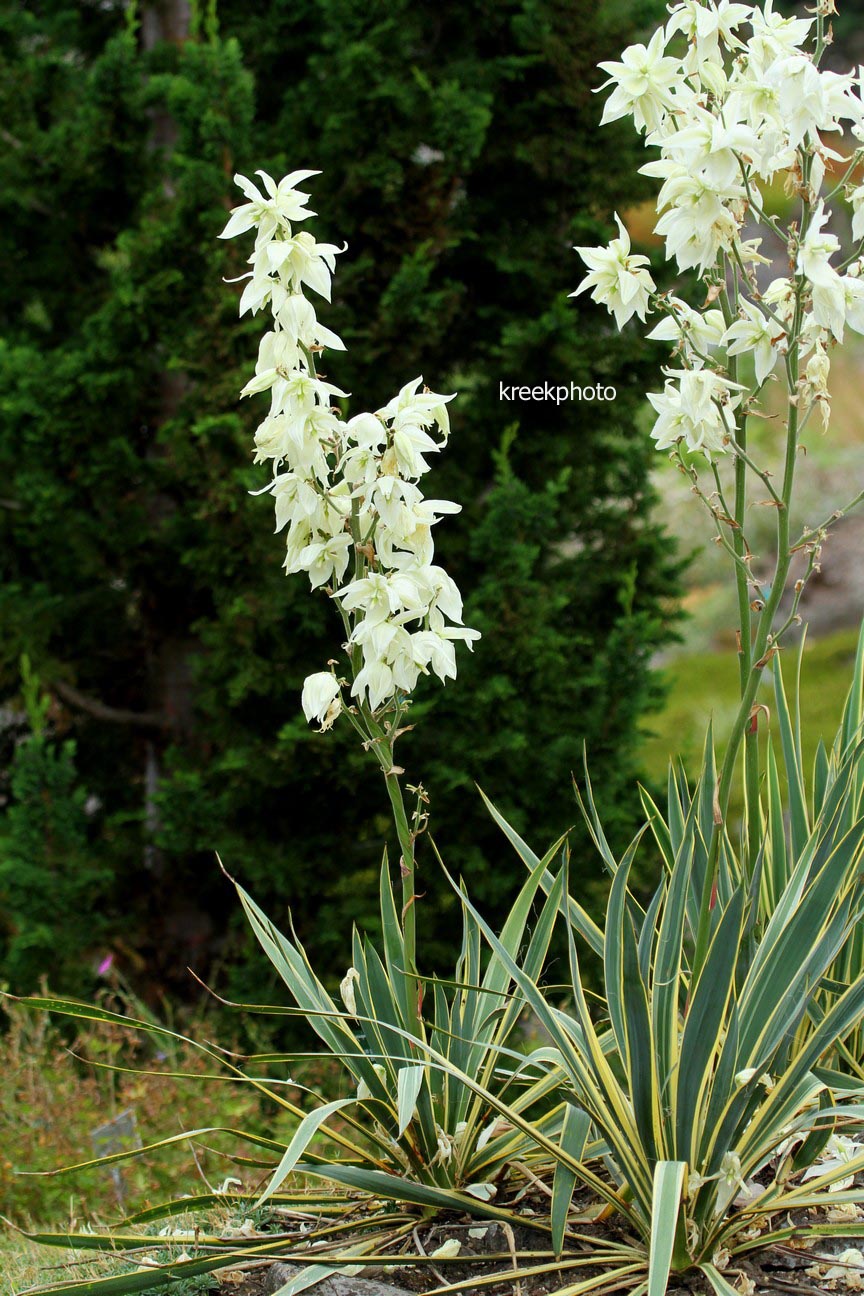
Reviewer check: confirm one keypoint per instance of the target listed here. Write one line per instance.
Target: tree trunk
(168, 657)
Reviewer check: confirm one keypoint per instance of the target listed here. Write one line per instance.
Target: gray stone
(336, 1285)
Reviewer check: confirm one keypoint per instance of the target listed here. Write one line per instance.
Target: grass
(50, 1105)
(52, 1102)
(23, 1265)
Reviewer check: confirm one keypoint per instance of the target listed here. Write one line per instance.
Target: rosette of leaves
(423, 1125)
(704, 1082)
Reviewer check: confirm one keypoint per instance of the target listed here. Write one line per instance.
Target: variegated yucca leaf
(432, 1129)
(699, 1077)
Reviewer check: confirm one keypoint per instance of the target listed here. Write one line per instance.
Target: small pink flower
(106, 965)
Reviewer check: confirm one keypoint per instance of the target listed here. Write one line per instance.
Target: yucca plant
(704, 1095)
(348, 492)
(411, 1130)
(694, 1097)
(836, 783)
(424, 1125)
(704, 1070)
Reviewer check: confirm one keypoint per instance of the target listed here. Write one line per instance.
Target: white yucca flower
(730, 98)
(345, 492)
(618, 279)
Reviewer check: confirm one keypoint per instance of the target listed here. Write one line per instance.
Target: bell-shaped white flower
(367, 430)
(296, 317)
(277, 350)
(856, 199)
(816, 248)
(853, 292)
(754, 333)
(433, 649)
(445, 593)
(375, 679)
(690, 410)
(711, 147)
(295, 497)
(282, 203)
(643, 81)
(390, 495)
(321, 699)
(410, 443)
(617, 278)
(414, 407)
(295, 391)
(698, 331)
(346, 989)
(301, 260)
(705, 25)
(327, 559)
(698, 228)
(775, 36)
(829, 304)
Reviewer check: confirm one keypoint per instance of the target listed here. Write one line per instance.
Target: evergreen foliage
(50, 869)
(461, 163)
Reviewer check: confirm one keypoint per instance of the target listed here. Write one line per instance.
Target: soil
(802, 1267)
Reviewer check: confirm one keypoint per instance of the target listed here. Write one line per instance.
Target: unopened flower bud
(346, 990)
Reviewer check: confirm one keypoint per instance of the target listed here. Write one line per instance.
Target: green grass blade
(776, 875)
(613, 957)
(666, 982)
(853, 711)
(394, 945)
(130, 1154)
(704, 1028)
(659, 827)
(396, 1188)
(640, 1057)
(821, 778)
(592, 818)
(227, 1200)
(678, 801)
(144, 1280)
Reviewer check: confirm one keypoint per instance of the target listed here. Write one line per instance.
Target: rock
(336, 1285)
(833, 596)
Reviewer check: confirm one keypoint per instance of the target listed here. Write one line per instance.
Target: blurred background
(151, 649)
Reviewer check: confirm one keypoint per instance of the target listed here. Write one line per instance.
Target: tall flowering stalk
(346, 494)
(746, 103)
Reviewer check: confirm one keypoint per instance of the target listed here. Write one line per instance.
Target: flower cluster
(345, 491)
(742, 102)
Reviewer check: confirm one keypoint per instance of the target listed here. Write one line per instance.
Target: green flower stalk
(346, 494)
(747, 104)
